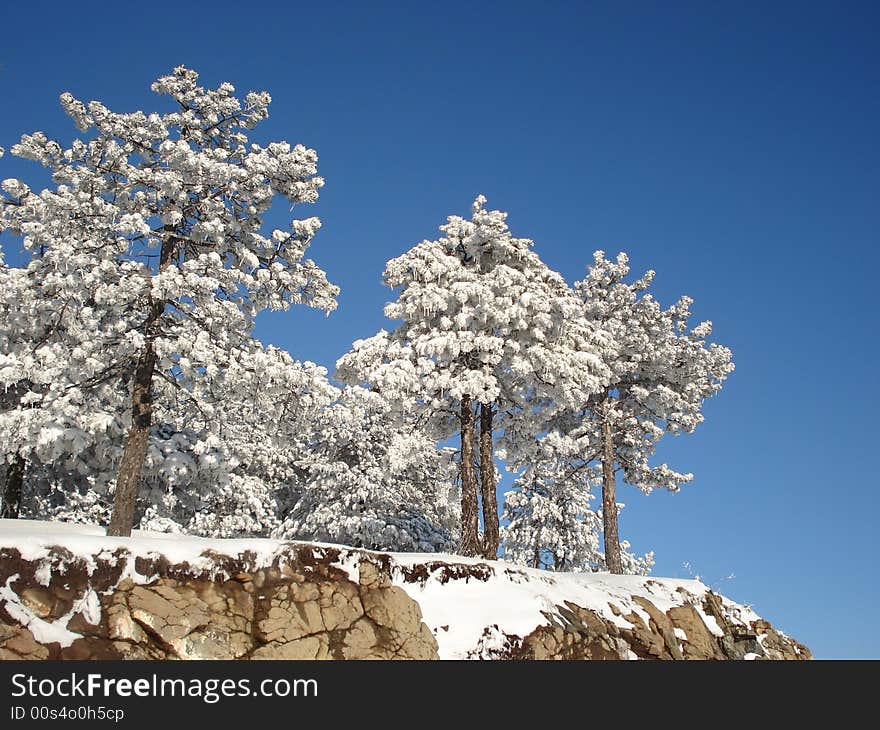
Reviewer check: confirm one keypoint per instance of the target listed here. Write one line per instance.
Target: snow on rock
(520, 600)
(161, 596)
(45, 632)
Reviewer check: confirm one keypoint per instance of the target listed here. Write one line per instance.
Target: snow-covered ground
(458, 609)
(518, 600)
(33, 538)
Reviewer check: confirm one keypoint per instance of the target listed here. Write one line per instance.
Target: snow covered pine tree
(662, 372)
(159, 216)
(485, 326)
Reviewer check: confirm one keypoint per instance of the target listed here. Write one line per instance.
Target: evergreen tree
(486, 331)
(153, 235)
(662, 372)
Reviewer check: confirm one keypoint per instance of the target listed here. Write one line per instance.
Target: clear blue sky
(735, 151)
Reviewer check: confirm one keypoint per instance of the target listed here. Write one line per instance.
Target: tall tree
(488, 334)
(662, 372)
(160, 216)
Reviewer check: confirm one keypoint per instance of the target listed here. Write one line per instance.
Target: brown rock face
(680, 633)
(303, 605)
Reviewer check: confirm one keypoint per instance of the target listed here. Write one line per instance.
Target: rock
(309, 647)
(393, 609)
(372, 575)
(660, 636)
(700, 643)
(303, 605)
(38, 600)
(361, 640)
(16, 642)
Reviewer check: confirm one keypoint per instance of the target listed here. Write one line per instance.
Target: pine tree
(155, 226)
(662, 370)
(486, 331)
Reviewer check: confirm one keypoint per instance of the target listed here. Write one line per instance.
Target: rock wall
(320, 602)
(300, 607)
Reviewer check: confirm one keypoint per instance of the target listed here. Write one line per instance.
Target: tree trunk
(134, 452)
(487, 485)
(470, 541)
(609, 502)
(13, 488)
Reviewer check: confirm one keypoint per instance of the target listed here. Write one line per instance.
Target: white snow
(521, 599)
(33, 538)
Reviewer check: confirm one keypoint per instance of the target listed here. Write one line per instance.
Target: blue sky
(733, 150)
